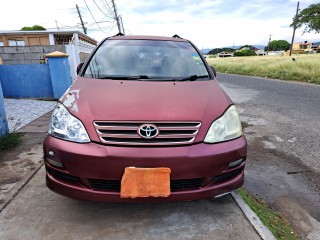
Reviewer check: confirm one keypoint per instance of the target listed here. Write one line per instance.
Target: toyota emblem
(148, 131)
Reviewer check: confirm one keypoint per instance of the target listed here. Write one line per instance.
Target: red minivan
(145, 102)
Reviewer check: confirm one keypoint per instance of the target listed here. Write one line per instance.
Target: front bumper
(197, 171)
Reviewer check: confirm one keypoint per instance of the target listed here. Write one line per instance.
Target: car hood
(114, 100)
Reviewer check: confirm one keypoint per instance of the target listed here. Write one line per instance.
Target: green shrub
(244, 52)
(9, 141)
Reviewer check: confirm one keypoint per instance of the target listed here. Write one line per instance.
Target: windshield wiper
(192, 78)
(138, 77)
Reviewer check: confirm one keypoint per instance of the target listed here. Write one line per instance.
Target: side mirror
(79, 67)
(214, 71)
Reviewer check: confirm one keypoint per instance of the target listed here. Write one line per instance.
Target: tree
(310, 18)
(244, 52)
(278, 45)
(246, 47)
(33, 28)
(219, 50)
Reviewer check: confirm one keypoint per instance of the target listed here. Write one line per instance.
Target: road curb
(255, 221)
(16, 189)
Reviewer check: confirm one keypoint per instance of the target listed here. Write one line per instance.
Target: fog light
(54, 163)
(235, 163)
(51, 153)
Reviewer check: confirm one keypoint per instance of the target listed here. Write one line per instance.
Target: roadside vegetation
(303, 67)
(279, 226)
(10, 141)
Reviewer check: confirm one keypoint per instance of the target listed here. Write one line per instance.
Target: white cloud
(208, 23)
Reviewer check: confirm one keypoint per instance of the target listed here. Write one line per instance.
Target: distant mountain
(206, 50)
(259, 46)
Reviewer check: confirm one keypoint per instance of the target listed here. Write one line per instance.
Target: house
(260, 52)
(302, 47)
(43, 38)
(316, 46)
(29, 47)
(225, 54)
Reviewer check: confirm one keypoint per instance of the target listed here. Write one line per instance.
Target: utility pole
(116, 16)
(122, 26)
(57, 25)
(269, 45)
(83, 27)
(294, 28)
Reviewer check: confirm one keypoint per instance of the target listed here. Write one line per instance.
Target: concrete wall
(26, 81)
(59, 72)
(37, 80)
(32, 54)
(27, 54)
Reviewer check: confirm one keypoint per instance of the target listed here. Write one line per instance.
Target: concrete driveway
(29, 210)
(38, 213)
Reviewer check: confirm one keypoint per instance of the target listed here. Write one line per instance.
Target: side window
(13, 42)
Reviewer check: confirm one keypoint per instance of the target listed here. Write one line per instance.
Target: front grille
(106, 185)
(175, 185)
(126, 133)
(226, 176)
(63, 177)
(179, 185)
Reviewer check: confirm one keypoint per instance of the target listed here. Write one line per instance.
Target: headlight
(65, 126)
(225, 128)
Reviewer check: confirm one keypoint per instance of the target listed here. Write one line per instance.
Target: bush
(244, 52)
(9, 141)
(33, 28)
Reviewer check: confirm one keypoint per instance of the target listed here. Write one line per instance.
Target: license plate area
(145, 182)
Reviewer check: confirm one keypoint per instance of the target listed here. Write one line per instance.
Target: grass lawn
(306, 68)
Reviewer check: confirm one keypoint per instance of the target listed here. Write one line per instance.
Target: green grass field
(306, 68)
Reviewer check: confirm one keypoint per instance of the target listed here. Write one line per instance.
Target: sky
(207, 23)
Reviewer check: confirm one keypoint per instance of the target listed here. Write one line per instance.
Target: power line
(93, 16)
(96, 29)
(101, 9)
(90, 24)
(106, 4)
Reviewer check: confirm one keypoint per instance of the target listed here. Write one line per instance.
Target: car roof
(146, 37)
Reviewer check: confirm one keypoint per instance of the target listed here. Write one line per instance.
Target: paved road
(281, 122)
(291, 112)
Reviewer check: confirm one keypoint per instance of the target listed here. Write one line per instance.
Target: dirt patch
(17, 163)
(10, 180)
(28, 140)
(245, 125)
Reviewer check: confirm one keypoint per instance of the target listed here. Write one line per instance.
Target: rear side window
(152, 58)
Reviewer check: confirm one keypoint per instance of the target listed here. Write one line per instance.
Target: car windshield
(146, 60)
